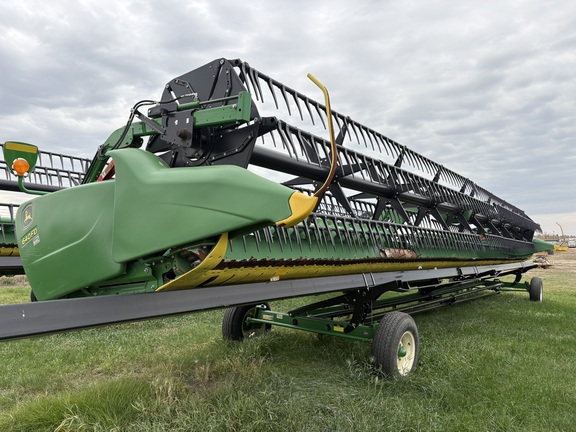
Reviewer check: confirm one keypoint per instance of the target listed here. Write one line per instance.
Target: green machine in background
(221, 195)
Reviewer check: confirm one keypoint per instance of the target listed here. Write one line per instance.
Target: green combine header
(206, 189)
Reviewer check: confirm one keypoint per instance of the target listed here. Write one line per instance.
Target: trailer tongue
(239, 207)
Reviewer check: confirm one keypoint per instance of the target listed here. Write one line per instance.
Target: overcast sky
(488, 89)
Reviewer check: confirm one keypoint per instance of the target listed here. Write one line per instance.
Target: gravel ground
(565, 261)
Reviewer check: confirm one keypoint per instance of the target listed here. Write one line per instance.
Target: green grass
(498, 364)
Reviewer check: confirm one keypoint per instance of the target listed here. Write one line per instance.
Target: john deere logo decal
(27, 217)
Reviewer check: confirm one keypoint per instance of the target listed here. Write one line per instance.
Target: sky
(488, 89)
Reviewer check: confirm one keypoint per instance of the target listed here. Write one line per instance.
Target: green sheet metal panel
(65, 239)
(157, 207)
(84, 235)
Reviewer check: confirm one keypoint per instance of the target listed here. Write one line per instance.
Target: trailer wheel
(235, 327)
(536, 288)
(33, 296)
(396, 344)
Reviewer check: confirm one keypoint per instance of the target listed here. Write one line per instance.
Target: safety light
(21, 166)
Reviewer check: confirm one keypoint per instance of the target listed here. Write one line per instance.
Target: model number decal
(30, 235)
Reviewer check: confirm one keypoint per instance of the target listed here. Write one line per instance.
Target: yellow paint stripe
(21, 147)
(251, 274)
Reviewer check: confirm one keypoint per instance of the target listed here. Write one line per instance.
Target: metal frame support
(37, 318)
(324, 326)
(325, 317)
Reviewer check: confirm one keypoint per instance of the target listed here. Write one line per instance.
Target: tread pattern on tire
(536, 289)
(386, 340)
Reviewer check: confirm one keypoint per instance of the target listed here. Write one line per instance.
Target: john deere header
(205, 187)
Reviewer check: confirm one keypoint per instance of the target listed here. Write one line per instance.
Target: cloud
(486, 91)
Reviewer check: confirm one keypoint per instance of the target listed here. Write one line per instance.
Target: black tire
(33, 297)
(536, 289)
(235, 327)
(396, 344)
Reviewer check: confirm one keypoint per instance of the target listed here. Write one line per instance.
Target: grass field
(497, 364)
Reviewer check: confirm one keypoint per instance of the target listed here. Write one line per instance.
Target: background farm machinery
(225, 206)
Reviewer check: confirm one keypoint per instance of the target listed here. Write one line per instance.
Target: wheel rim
(250, 330)
(406, 353)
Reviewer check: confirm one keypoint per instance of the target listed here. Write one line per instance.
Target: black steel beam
(11, 265)
(12, 186)
(277, 161)
(38, 318)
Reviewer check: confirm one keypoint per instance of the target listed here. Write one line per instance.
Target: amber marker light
(20, 166)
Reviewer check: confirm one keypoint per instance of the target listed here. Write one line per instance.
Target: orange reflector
(21, 166)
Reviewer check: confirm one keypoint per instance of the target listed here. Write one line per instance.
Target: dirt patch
(565, 261)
